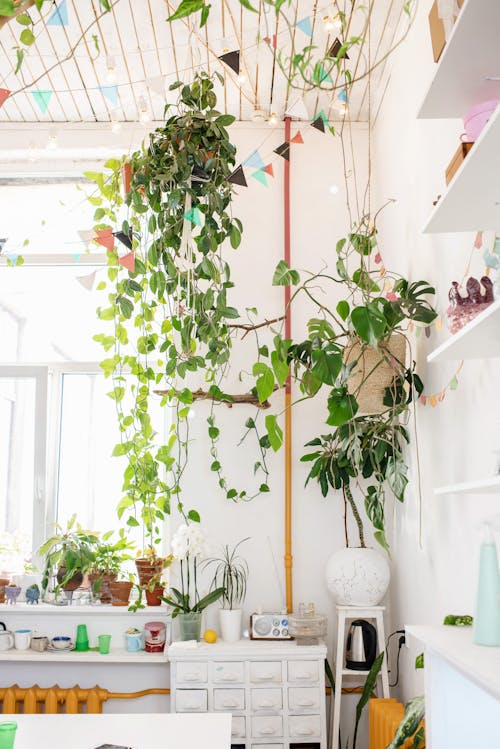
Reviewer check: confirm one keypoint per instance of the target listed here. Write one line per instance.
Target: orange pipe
(288, 388)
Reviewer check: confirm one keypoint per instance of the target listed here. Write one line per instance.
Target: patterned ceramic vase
(358, 577)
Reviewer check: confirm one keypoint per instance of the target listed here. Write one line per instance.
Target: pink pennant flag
(128, 261)
(297, 138)
(378, 257)
(478, 242)
(4, 94)
(105, 238)
(423, 399)
(391, 296)
(269, 170)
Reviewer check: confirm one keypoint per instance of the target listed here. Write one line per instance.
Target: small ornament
(463, 309)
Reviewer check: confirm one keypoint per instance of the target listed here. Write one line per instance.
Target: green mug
(104, 643)
(7, 734)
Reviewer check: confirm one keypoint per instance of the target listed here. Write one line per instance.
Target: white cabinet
(275, 691)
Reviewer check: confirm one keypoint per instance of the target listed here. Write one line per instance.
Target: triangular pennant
(260, 176)
(60, 16)
(297, 138)
(86, 235)
(305, 25)
(319, 124)
(439, 324)
(105, 238)
(76, 256)
(128, 261)
(194, 216)
(478, 242)
(298, 110)
(12, 258)
(125, 239)
(87, 281)
(238, 177)
(232, 60)
(423, 399)
(454, 383)
(254, 160)
(156, 84)
(323, 116)
(4, 94)
(342, 96)
(378, 258)
(269, 170)
(433, 401)
(284, 151)
(323, 75)
(111, 93)
(42, 98)
(335, 49)
(199, 175)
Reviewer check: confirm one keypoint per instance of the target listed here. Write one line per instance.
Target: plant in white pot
(231, 574)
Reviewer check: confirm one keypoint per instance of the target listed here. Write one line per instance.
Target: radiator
(35, 699)
(385, 715)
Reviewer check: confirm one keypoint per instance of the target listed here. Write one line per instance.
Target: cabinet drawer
(267, 746)
(268, 671)
(303, 671)
(271, 725)
(266, 699)
(194, 673)
(228, 672)
(229, 699)
(238, 727)
(191, 700)
(304, 726)
(304, 699)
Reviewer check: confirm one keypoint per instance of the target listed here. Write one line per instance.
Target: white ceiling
(151, 53)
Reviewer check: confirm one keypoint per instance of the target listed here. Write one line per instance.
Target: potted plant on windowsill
(231, 574)
(109, 558)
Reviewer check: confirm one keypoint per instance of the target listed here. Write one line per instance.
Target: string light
(144, 115)
(334, 189)
(241, 79)
(116, 125)
(111, 69)
(258, 115)
(332, 23)
(52, 142)
(273, 119)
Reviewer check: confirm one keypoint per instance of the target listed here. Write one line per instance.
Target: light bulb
(328, 22)
(241, 79)
(52, 142)
(111, 69)
(116, 125)
(258, 115)
(273, 119)
(144, 115)
(333, 189)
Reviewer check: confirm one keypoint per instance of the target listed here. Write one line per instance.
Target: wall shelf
(490, 485)
(115, 655)
(472, 200)
(461, 77)
(477, 340)
(48, 609)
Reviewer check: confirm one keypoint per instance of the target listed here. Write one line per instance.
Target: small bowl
(61, 643)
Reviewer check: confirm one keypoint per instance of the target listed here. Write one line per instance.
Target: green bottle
(487, 618)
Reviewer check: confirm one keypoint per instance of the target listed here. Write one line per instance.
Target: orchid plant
(189, 548)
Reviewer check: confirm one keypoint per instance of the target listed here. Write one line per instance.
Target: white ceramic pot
(230, 624)
(358, 577)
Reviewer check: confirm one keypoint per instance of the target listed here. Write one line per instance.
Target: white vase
(358, 577)
(230, 624)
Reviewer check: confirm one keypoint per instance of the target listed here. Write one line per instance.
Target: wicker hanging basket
(374, 371)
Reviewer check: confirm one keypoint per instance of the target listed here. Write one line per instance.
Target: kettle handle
(3, 626)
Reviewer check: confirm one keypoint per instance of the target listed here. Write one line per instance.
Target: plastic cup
(7, 734)
(104, 643)
(82, 638)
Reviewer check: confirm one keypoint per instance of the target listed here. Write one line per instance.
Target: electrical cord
(401, 642)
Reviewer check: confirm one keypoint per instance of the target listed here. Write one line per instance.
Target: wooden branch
(21, 7)
(248, 328)
(204, 395)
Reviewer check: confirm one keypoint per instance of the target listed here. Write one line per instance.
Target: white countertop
(478, 663)
(245, 649)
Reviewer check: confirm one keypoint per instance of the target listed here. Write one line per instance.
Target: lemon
(210, 636)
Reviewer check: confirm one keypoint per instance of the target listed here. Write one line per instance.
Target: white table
(139, 731)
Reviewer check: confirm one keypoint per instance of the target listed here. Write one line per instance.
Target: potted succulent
(109, 558)
(69, 554)
(230, 574)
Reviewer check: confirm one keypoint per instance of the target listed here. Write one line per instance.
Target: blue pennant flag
(342, 96)
(254, 160)
(12, 258)
(60, 16)
(111, 93)
(305, 25)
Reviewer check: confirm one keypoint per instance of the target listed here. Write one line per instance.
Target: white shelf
(478, 663)
(82, 611)
(352, 672)
(461, 77)
(115, 655)
(480, 339)
(472, 200)
(482, 486)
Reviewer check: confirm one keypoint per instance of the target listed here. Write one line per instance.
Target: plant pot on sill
(3, 582)
(120, 592)
(100, 582)
(153, 595)
(73, 582)
(374, 372)
(147, 569)
(230, 624)
(358, 576)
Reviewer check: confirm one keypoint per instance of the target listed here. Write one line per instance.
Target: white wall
(436, 576)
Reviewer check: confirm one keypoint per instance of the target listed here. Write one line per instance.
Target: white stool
(345, 613)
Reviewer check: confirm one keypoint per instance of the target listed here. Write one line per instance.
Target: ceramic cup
(133, 642)
(39, 643)
(60, 642)
(6, 638)
(22, 639)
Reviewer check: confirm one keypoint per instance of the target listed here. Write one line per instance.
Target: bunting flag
(478, 242)
(254, 160)
(111, 93)
(86, 235)
(232, 60)
(42, 98)
(260, 176)
(284, 151)
(335, 49)
(4, 94)
(305, 26)
(125, 239)
(271, 40)
(194, 216)
(324, 75)
(128, 261)
(378, 258)
(156, 84)
(105, 238)
(342, 96)
(297, 109)
(297, 138)
(319, 124)
(87, 281)
(238, 177)
(268, 169)
(60, 16)
(323, 116)
(12, 258)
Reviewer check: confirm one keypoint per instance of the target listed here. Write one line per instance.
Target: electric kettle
(361, 648)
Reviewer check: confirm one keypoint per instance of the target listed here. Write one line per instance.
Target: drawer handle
(304, 731)
(266, 703)
(193, 677)
(230, 677)
(236, 733)
(230, 703)
(193, 707)
(266, 677)
(306, 703)
(305, 675)
(267, 731)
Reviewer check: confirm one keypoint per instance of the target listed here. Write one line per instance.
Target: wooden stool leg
(339, 665)
(379, 617)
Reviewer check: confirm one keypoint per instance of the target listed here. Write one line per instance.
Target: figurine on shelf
(32, 594)
(463, 309)
(12, 593)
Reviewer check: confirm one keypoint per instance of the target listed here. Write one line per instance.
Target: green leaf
(342, 407)
(246, 4)
(369, 323)
(263, 488)
(185, 8)
(23, 19)
(265, 380)
(27, 37)
(193, 516)
(7, 7)
(20, 58)
(274, 431)
(327, 363)
(419, 661)
(343, 309)
(280, 368)
(396, 474)
(225, 120)
(284, 275)
(369, 686)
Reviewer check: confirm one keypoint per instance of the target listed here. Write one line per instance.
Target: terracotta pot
(100, 582)
(126, 177)
(120, 592)
(147, 569)
(3, 582)
(73, 583)
(374, 372)
(153, 597)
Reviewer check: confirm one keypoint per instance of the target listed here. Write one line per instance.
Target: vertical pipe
(288, 394)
